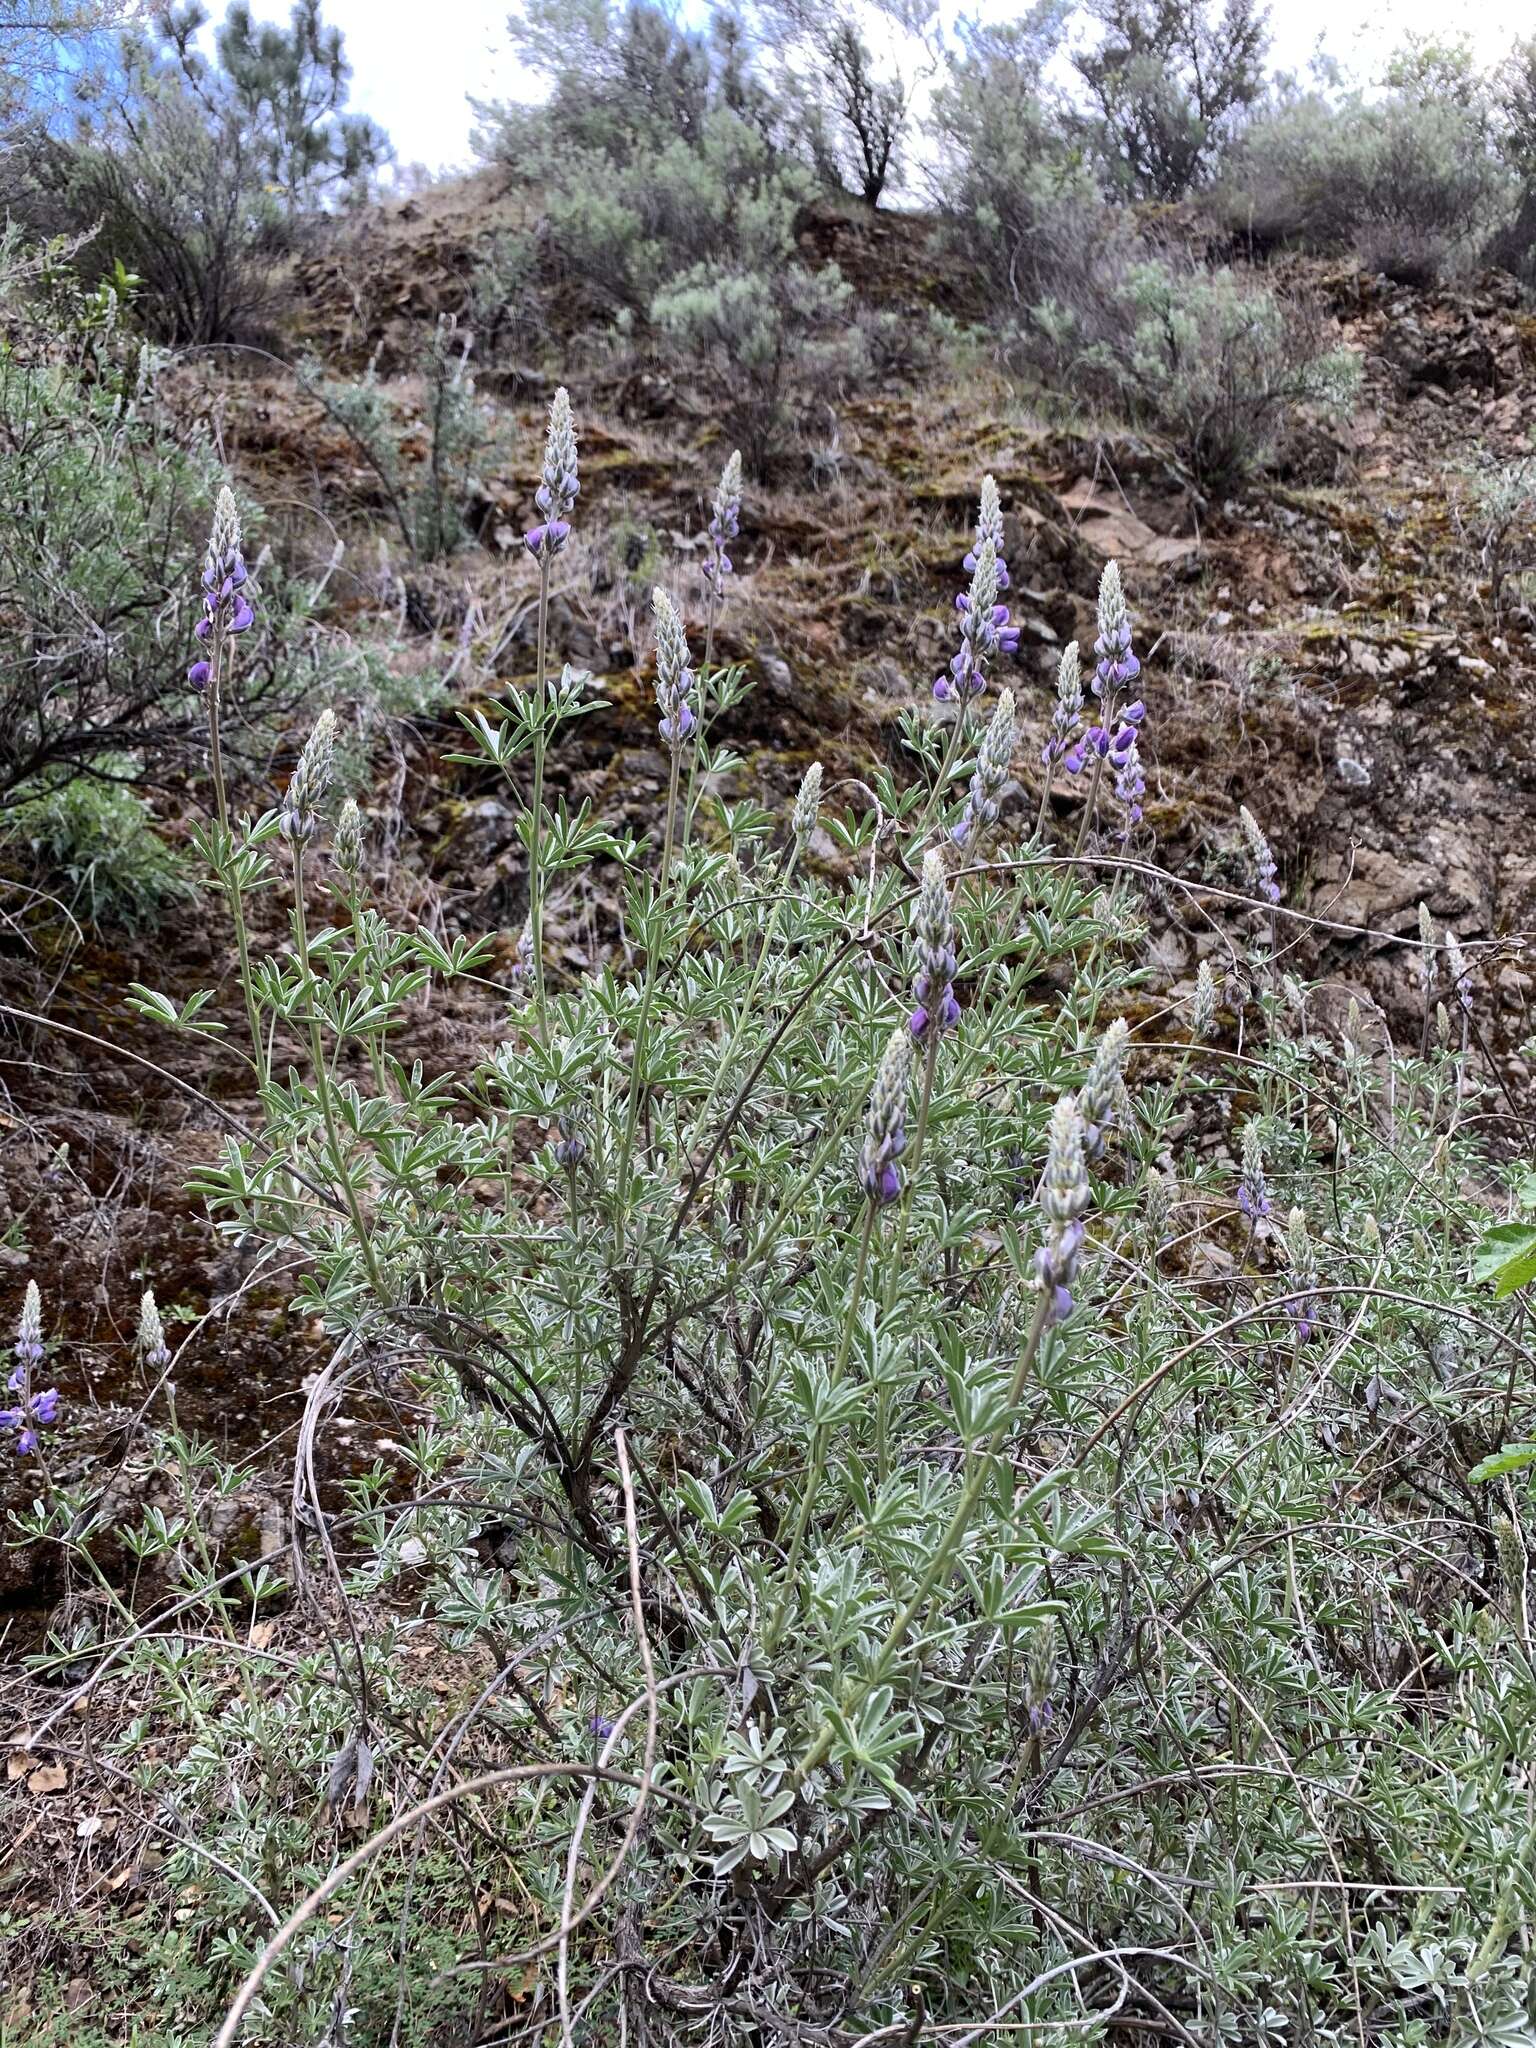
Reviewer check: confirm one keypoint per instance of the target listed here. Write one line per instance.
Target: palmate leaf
(1513, 1458)
(1507, 1258)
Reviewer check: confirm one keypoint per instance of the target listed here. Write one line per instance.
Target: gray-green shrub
(427, 498)
(1409, 186)
(1018, 197)
(1214, 361)
(89, 847)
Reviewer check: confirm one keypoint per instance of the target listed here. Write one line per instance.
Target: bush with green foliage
(427, 499)
(104, 498)
(101, 501)
(625, 80)
(193, 174)
(1168, 83)
(726, 198)
(950, 1485)
(769, 343)
(89, 847)
(1215, 362)
(673, 210)
(1494, 511)
(1018, 196)
(1410, 185)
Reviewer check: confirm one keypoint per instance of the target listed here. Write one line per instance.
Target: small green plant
(91, 845)
(1217, 363)
(427, 497)
(1495, 514)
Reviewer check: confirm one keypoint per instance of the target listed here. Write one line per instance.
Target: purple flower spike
(1253, 1188)
(558, 487)
(1130, 783)
(985, 630)
(933, 929)
(724, 525)
(674, 676)
(1259, 854)
(29, 1334)
(885, 1121)
(32, 1411)
(226, 610)
(1114, 739)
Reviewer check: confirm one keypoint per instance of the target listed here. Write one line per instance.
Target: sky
(417, 65)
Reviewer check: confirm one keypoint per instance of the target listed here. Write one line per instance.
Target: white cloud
(416, 68)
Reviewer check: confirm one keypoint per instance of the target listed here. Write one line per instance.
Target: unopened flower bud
(802, 821)
(309, 782)
(347, 847)
(933, 929)
(885, 1121)
(152, 1347)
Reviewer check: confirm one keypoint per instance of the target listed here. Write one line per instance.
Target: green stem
(698, 732)
(323, 1081)
(670, 831)
(936, 794)
(949, 1543)
(535, 877)
(374, 1038)
(642, 1029)
(818, 1463)
(745, 1011)
(228, 876)
(898, 1253)
(1090, 807)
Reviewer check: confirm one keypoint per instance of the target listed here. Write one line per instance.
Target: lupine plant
(919, 1553)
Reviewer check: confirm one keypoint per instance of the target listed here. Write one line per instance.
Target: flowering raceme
(1067, 715)
(985, 631)
(933, 927)
(226, 608)
(1302, 1306)
(1263, 861)
(724, 525)
(298, 818)
(1130, 785)
(674, 675)
(35, 1408)
(1064, 1196)
(885, 1120)
(991, 772)
(989, 527)
(1117, 666)
(1103, 1096)
(1253, 1187)
(558, 486)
